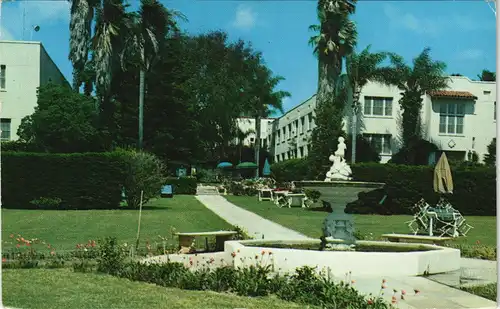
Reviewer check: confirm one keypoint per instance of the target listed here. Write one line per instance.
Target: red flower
(18, 245)
(4, 260)
(370, 302)
(28, 244)
(403, 292)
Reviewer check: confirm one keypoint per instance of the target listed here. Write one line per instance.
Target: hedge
(290, 170)
(474, 186)
(183, 185)
(78, 181)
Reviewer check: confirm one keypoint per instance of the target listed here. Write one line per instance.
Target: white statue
(340, 170)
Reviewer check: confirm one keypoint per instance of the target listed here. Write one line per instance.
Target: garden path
(255, 226)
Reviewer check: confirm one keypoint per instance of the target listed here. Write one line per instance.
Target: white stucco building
(459, 119)
(24, 66)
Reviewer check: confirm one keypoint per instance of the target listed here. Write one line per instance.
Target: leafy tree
(425, 76)
(491, 157)
(487, 76)
(63, 121)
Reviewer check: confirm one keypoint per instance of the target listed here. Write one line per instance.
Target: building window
(301, 151)
(381, 143)
(289, 135)
(282, 157)
(284, 134)
(451, 118)
(296, 127)
(302, 124)
(377, 106)
(277, 158)
(5, 128)
(495, 111)
(3, 76)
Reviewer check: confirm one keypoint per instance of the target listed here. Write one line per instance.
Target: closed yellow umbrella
(443, 182)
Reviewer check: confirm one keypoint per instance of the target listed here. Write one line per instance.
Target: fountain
(338, 250)
(338, 190)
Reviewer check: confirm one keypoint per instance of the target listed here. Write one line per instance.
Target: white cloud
(470, 54)
(245, 18)
(433, 26)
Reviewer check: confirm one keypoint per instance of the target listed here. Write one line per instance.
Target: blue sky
(461, 33)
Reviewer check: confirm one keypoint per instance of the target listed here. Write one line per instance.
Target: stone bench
(186, 240)
(416, 238)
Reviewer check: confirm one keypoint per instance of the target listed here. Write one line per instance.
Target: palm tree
(264, 101)
(336, 37)
(146, 38)
(82, 15)
(425, 76)
(241, 136)
(360, 69)
(487, 76)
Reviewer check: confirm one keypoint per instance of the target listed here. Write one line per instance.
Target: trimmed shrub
(290, 170)
(79, 181)
(474, 187)
(146, 173)
(182, 185)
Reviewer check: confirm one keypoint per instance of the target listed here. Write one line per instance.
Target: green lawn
(309, 222)
(64, 229)
(62, 288)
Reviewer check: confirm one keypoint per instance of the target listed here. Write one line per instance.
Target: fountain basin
(404, 260)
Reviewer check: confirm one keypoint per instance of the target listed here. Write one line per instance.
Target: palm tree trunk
(141, 107)
(355, 106)
(354, 135)
(257, 145)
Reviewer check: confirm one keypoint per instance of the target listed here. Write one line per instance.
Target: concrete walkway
(435, 293)
(255, 226)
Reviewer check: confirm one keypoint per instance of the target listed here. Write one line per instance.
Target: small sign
(166, 191)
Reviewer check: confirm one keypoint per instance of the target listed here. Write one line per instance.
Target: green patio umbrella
(246, 165)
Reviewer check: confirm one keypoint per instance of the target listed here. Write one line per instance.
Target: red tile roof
(453, 94)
